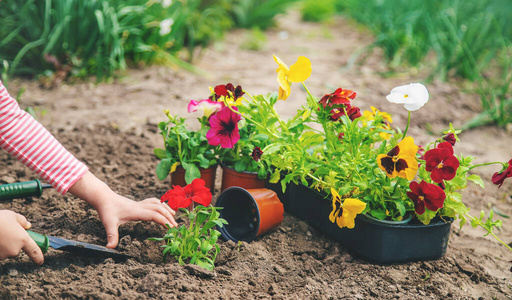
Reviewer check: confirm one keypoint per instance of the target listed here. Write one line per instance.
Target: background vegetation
(470, 39)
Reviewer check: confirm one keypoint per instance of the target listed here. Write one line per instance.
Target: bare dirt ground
(112, 127)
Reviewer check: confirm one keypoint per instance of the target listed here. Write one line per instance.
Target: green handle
(16, 190)
(41, 240)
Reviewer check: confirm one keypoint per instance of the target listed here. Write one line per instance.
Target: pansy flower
(338, 97)
(427, 195)
(230, 93)
(450, 138)
(298, 72)
(386, 120)
(401, 160)
(413, 96)
(224, 128)
(344, 214)
(441, 162)
(195, 192)
(207, 106)
(499, 177)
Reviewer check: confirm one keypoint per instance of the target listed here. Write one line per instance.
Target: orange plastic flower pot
(208, 175)
(246, 180)
(249, 212)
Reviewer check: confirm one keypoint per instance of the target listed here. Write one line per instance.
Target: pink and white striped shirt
(29, 142)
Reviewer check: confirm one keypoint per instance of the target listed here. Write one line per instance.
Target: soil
(112, 127)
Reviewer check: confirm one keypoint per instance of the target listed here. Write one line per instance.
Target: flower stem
(407, 126)
(486, 164)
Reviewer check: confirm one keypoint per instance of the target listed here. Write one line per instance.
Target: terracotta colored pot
(246, 180)
(249, 212)
(208, 175)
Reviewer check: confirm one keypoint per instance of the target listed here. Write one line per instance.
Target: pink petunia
(207, 106)
(224, 128)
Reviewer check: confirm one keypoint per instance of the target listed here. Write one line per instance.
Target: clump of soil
(113, 129)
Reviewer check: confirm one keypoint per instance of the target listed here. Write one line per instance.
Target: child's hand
(115, 209)
(14, 237)
(119, 210)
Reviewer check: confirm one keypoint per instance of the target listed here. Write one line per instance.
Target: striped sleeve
(30, 143)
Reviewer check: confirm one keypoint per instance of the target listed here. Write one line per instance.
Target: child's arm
(28, 141)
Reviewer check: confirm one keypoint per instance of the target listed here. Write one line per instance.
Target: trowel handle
(41, 240)
(32, 188)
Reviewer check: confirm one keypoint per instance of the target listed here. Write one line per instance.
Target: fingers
(154, 200)
(154, 214)
(162, 210)
(33, 251)
(112, 229)
(23, 221)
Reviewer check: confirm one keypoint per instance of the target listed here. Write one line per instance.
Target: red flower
(184, 196)
(341, 136)
(450, 138)
(353, 113)
(425, 194)
(441, 162)
(499, 177)
(339, 97)
(227, 90)
(224, 128)
(256, 153)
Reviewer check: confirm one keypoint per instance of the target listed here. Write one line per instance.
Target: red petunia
(224, 128)
(499, 177)
(339, 97)
(184, 196)
(427, 195)
(441, 162)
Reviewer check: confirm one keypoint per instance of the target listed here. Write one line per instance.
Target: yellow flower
(369, 116)
(401, 160)
(298, 72)
(344, 214)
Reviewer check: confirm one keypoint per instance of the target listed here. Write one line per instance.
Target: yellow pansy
(370, 115)
(345, 213)
(401, 160)
(298, 72)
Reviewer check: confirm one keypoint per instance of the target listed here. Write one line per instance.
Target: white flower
(166, 3)
(413, 96)
(165, 26)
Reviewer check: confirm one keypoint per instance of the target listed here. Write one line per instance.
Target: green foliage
(318, 10)
(184, 147)
(97, 37)
(196, 243)
(470, 39)
(258, 13)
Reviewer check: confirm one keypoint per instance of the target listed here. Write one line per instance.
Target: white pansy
(166, 3)
(165, 26)
(413, 96)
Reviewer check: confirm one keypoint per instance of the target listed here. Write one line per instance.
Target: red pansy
(427, 195)
(499, 177)
(256, 153)
(441, 162)
(450, 138)
(184, 196)
(338, 97)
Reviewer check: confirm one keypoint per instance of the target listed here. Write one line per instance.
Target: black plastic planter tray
(372, 240)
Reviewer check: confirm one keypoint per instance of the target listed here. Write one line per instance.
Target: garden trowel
(45, 241)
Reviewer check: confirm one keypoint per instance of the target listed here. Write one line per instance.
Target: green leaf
(160, 153)
(191, 172)
(240, 166)
(477, 180)
(163, 168)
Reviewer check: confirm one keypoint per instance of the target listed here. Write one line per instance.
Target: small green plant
(188, 148)
(195, 243)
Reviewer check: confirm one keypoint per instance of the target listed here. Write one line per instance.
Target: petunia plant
(195, 243)
(358, 160)
(186, 148)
